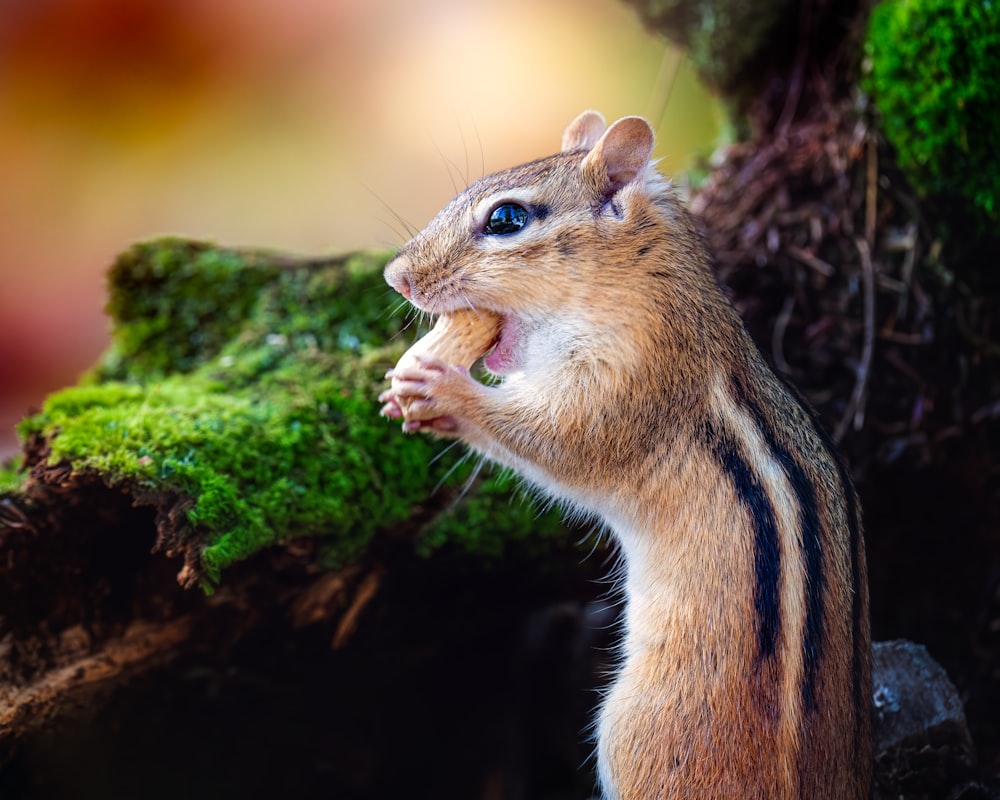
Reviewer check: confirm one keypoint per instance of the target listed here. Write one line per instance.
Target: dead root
(845, 285)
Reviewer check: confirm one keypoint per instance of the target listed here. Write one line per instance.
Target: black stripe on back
(853, 520)
(767, 554)
(811, 526)
(854, 532)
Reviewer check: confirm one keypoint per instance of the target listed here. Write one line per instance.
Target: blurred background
(299, 125)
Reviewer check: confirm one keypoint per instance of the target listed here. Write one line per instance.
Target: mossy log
(232, 419)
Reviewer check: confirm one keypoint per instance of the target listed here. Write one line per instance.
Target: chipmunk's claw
(437, 425)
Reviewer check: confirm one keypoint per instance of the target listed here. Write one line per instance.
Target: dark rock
(922, 744)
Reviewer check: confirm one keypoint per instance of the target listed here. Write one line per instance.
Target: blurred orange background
(285, 124)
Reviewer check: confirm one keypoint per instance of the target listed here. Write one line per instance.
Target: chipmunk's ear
(583, 132)
(620, 155)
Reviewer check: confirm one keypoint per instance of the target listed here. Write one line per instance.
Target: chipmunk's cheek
(506, 353)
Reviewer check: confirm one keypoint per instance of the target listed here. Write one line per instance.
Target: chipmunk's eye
(506, 218)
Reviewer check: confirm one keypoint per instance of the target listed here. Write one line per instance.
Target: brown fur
(636, 396)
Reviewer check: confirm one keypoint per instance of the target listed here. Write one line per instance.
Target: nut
(458, 338)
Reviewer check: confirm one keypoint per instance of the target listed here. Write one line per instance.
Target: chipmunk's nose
(397, 276)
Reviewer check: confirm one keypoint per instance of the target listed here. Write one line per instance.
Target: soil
(288, 681)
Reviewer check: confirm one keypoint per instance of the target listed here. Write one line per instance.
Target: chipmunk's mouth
(505, 354)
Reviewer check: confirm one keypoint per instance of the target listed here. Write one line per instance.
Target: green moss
(489, 521)
(11, 476)
(175, 304)
(247, 387)
(935, 79)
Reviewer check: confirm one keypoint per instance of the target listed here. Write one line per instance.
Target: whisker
(441, 454)
(465, 145)
(394, 226)
(399, 308)
(596, 542)
(448, 164)
(411, 230)
(482, 154)
(666, 79)
(471, 480)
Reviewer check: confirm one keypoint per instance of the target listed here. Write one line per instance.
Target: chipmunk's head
(546, 236)
(511, 238)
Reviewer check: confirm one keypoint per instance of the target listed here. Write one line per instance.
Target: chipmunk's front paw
(430, 396)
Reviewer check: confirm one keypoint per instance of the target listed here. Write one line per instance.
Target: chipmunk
(629, 390)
